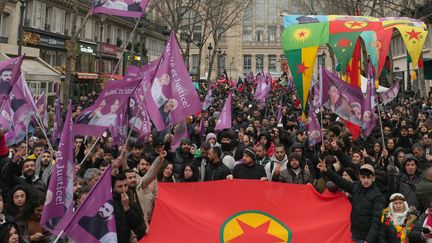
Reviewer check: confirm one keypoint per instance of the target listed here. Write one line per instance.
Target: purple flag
(105, 112)
(250, 78)
(139, 119)
(59, 197)
(120, 130)
(123, 8)
(202, 126)
(57, 119)
(6, 121)
(279, 114)
(224, 120)
(207, 100)
(41, 110)
(94, 221)
(314, 128)
(173, 95)
(342, 98)
(180, 133)
(10, 71)
(369, 106)
(22, 108)
(391, 93)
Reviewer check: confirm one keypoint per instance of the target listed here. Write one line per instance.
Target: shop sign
(87, 49)
(109, 49)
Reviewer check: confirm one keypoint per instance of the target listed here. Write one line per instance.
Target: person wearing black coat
(367, 202)
(127, 214)
(216, 170)
(249, 169)
(423, 224)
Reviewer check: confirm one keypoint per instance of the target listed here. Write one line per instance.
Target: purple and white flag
(369, 106)
(279, 114)
(139, 119)
(224, 121)
(391, 93)
(6, 121)
(59, 198)
(314, 127)
(342, 99)
(180, 132)
(42, 110)
(173, 95)
(207, 100)
(10, 71)
(123, 8)
(250, 78)
(202, 126)
(57, 119)
(105, 112)
(22, 108)
(94, 220)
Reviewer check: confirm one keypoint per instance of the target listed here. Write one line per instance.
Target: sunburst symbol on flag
(355, 25)
(254, 226)
(302, 34)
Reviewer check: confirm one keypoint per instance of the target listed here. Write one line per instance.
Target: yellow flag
(414, 38)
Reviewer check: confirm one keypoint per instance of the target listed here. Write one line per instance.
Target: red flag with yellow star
(414, 38)
(344, 24)
(383, 44)
(250, 211)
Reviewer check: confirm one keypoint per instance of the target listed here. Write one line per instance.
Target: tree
(71, 47)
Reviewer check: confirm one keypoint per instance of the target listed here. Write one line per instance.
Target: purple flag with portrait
(6, 121)
(314, 127)
(123, 8)
(41, 110)
(180, 133)
(369, 106)
(57, 119)
(22, 109)
(139, 119)
(10, 71)
(342, 99)
(391, 93)
(172, 94)
(94, 220)
(106, 111)
(59, 197)
(250, 78)
(207, 100)
(224, 121)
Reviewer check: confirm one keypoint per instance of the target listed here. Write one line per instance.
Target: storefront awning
(35, 69)
(87, 75)
(114, 77)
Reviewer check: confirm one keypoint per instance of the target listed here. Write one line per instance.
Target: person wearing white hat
(397, 220)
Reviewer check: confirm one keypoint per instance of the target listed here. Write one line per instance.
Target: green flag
(343, 45)
(305, 35)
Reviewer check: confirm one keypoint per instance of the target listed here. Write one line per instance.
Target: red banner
(248, 211)
(341, 26)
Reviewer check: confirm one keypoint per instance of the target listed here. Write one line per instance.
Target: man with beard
(146, 188)
(181, 156)
(200, 161)
(227, 145)
(97, 225)
(216, 169)
(135, 156)
(295, 173)
(27, 176)
(44, 166)
(278, 162)
(249, 169)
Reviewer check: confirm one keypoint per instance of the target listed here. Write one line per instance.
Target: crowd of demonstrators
(389, 185)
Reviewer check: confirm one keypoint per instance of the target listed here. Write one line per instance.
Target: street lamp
(101, 27)
(21, 26)
(209, 48)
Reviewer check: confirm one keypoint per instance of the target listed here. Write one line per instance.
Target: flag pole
(380, 122)
(37, 117)
(88, 152)
(58, 236)
(124, 49)
(321, 103)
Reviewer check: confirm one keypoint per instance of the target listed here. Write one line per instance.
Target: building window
(4, 19)
(259, 33)
(259, 62)
(247, 63)
(247, 33)
(272, 63)
(271, 13)
(195, 59)
(196, 36)
(272, 33)
(259, 12)
(248, 14)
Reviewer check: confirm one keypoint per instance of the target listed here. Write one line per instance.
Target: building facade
(100, 48)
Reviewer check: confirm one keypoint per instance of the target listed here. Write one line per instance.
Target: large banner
(344, 100)
(124, 8)
(173, 95)
(250, 211)
(105, 113)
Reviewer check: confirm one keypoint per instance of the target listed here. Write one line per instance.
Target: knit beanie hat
(210, 135)
(249, 152)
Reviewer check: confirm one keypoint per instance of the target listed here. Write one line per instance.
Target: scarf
(398, 218)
